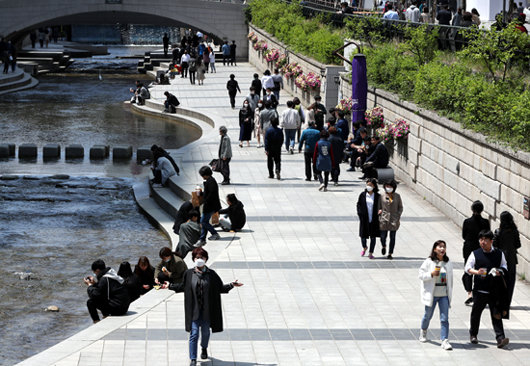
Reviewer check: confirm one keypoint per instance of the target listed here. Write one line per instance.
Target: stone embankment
(16, 81)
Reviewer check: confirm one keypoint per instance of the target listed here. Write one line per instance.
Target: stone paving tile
(309, 298)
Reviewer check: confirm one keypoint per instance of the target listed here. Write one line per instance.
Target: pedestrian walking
(184, 63)
(277, 79)
(436, 276)
(246, 121)
(320, 112)
(273, 148)
(508, 240)
(290, 122)
(201, 68)
(257, 122)
(206, 59)
(225, 154)
(323, 157)
(337, 146)
(368, 218)
(165, 42)
(192, 69)
(226, 53)
(390, 210)
(202, 289)
(488, 266)
(300, 110)
(211, 204)
(233, 87)
(256, 84)
(308, 140)
(266, 117)
(212, 62)
(470, 229)
(33, 38)
(233, 54)
(267, 82)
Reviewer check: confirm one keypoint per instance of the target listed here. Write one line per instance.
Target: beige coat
(390, 212)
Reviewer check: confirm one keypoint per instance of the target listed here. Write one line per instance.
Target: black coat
(470, 229)
(211, 196)
(337, 145)
(379, 157)
(273, 139)
(183, 215)
(236, 214)
(215, 290)
(508, 241)
(110, 291)
(132, 283)
(366, 228)
(146, 277)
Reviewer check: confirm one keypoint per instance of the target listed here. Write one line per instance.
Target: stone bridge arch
(223, 20)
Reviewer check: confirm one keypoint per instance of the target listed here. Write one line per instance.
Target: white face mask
(167, 260)
(199, 262)
(245, 105)
(252, 93)
(389, 189)
(260, 105)
(369, 188)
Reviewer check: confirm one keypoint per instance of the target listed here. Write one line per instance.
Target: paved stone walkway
(308, 297)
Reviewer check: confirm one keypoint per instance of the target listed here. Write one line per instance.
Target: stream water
(54, 229)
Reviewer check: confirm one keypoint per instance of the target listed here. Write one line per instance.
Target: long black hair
(434, 256)
(507, 222)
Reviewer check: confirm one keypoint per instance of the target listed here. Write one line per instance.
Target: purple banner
(359, 84)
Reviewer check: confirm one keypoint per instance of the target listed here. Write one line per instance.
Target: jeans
(335, 172)
(384, 233)
(443, 304)
(212, 66)
(290, 136)
(372, 243)
(194, 336)
(276, 94)
(206, 226)
(326, 178)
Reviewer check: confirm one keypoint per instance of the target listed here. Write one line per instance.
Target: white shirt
(185, 58)
(370, 205)
(290, 119)
(412, 14)
(267, 82)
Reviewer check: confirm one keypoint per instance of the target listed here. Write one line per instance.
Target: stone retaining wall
(451, 167)
(329, 73)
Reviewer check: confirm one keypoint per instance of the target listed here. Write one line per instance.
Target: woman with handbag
(390, 210)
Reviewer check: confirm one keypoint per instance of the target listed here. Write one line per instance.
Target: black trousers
(184, 70)
(335, 172)
(308, 158)
(103, 306)
(225, 169)
(326, 178)
(274, 158)
(232, 96)
(480, 300)
(467, 279)
(226, 59)
(192, 76)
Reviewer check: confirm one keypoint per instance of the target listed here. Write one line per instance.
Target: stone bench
(74, 152)
(385, 175)
(27, 151)
(4, 151)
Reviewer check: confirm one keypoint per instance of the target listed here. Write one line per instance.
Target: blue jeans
(206, 226)
(392, 240)
(194, 336)
(290, 136)
(443, 304)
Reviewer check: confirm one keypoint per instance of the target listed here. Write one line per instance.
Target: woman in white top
(162, 170)
(436, 275)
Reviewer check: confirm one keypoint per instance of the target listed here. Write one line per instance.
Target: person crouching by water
(436, 275)
(162, 170)
(202, 289)
(106, 292)
(235, 217)
(170, 269)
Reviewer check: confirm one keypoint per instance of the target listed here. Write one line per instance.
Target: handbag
(216, 165)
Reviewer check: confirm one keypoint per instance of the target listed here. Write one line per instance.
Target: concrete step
(167, 200)
(11, 77)
(26, 82)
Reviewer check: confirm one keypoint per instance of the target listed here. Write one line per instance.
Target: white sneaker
(446, 345)
(214, 237)
(423, 336)
(321, 187)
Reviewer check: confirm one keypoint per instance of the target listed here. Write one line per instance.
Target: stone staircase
(19, 80)
(41, 62)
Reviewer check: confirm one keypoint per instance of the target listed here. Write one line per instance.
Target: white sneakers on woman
(445, 343)
(423, 336)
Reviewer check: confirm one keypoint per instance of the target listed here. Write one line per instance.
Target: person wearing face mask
(171, 267)
(257, 122)
(271, 98)
(367, 205)
(390, 210)
(436, 276)
(252, 99)
(202, 289)
(246, 119)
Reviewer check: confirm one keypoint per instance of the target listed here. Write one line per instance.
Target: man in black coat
(444, 16)
(470, 229)
(211, 204)
(337, 146)
(171, 103)
(273, 148)
(377, 159)
(108, 293)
